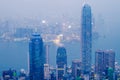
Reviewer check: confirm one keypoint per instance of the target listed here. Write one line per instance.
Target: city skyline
(107, 27)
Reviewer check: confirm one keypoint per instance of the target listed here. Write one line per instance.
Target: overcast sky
(9, 8)
(104, 11)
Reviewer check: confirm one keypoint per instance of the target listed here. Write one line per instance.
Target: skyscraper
(110, 58)
(86, 38)
(76, 66)
(46, 51)
(99, 63)
(37, 57)
(61, 60)
(46, 65)
(104, 61)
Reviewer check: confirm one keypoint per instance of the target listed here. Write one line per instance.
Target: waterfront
(17, 52)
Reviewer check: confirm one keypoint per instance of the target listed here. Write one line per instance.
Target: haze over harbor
(65, 15)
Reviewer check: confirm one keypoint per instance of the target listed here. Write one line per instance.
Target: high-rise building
(76, 68)
(46, 65)
(99, 63)
(104, 63)
(110, 58)
(46, 51)
(61, 61)
(37, 57)
(86, 38)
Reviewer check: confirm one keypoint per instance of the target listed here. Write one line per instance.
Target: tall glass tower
(86, 38)
(61, 60)
(37, 57)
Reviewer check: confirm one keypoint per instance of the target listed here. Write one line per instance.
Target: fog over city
(31, 13)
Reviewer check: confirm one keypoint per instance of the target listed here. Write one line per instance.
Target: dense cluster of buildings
(12, 74)
(104, 67)
(81, 69)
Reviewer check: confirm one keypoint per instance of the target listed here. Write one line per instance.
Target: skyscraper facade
(46, 52)
(46, 65)
(61, 60)
(76, 68)
(99, 63)
(36, 57)
(104, 61)
(86, 38)
(110, 59)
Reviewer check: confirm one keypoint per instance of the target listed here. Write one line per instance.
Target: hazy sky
(105, 12)
(55, 7)
(108, 10)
